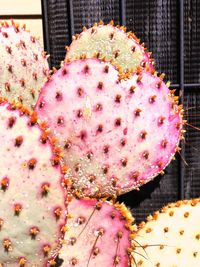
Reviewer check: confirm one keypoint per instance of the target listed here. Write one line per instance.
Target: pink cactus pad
(112, 43)
(169, 237)
(115, 135)
(98, 234)
(23, 65)
(32, 209)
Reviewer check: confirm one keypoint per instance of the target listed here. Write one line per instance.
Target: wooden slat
(20, 7)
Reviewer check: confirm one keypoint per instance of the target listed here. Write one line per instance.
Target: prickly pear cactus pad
(110, 42)
(23, 65)
(98, 234)
(32, 209)
(115, 136)
(170, 237)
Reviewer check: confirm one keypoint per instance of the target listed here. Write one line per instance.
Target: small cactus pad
(115, 135)
(110, 42)
(170, 237)
(23, 65)
(98, 234)
(31, 196)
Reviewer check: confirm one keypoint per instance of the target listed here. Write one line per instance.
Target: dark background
(171, 30)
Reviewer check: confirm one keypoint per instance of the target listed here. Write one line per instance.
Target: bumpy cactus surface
(115, 135)
(170, 237)
(32, 205)
(23, 65)
(112, 43)
(98, 234)
(114, 125)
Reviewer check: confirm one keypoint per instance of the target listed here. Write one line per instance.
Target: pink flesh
(25, 189)
(87, 239)
(138, 169)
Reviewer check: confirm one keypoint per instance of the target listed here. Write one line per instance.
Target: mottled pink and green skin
(31, 194)
(112, 43)
(98, 235)
(115, 135)
(23, 65)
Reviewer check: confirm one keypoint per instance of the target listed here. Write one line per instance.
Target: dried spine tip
(34, 231)
(57, 213)
(106, 69)
(7, 245)
(46, 250)
(1, 223)
(124, 162)
(4, 183)
(45, 189)
(135, 175)
(32, 163)
(73, 261)
(145, 154)
(17, 209)
(7, 87)
(52, 262)
(22, 261)
(72, 240)
(100, 85)
(11, 122)
(143, 134)
(18, 141)
(152, 99)
(96, 251)
(137, 112)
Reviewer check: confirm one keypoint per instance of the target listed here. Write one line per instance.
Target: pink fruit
(23, 65)
(115, 135)
(32, 206)
(98, 234)
(111, 43)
